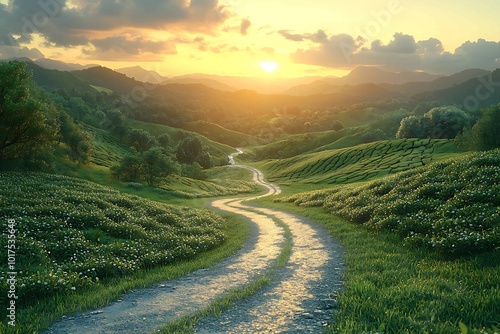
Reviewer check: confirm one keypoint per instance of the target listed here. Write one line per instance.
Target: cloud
(90, 24)
(334, 51)
(245, 25)
(400, 44)
(402, 53)
(126, 47)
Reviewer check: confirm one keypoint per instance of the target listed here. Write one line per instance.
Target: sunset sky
(231, 37)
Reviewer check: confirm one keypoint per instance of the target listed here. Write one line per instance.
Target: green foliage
(164, 140)
(438, 123)
(156, 165)
(191, 150)
(78, 140)
(152, 166)
(485, 134)
(140, 139)
(451, 207)
(28, 120)
(73, 234)
(414, 127)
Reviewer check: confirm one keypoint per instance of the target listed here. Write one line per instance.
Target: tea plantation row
(452, 206)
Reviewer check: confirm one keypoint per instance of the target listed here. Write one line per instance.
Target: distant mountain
(207, 82)
(358, 76)
(438, 84)
(51, 64)
(472, 94)
(140, 74)
(263, 85)
(363, 74)
(107, 78)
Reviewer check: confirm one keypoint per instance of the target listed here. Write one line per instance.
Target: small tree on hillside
(141, 140)
(447, 122)
(414, 127)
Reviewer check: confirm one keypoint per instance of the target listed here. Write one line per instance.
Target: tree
(447, 122)
(151, 166)
(164, 140)
(414, 127)
(78, 140)
(130, 168)
(28, 120)
(141, 140)
(156, 165)
(484, 135)
(337, 125)
(189, 149)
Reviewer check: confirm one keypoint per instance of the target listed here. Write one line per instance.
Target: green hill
(54, 79)
(358, 163)
(71, 234)
(222, 135)
(451, 206)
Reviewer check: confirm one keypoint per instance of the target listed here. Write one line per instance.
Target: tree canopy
(28, 120)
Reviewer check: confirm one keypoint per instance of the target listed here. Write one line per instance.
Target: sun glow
(268, 66)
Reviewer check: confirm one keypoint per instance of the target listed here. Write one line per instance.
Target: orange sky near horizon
(232, 37)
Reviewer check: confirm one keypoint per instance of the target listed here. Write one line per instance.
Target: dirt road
(300, 298)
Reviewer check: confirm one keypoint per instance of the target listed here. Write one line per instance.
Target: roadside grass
(390, 288)
(187, 324)
(358, 163)
(81, 244)
(40, 316)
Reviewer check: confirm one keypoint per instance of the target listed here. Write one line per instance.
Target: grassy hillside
(216, 149)
(222, 135)
(108, 150)
(358, 163)
(73, 234)
(452, 206)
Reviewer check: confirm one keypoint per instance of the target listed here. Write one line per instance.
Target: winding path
(300, 299)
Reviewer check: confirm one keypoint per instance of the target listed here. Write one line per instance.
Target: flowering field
(452, 206)
(72, 234)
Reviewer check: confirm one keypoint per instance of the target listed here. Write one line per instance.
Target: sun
(269, 66)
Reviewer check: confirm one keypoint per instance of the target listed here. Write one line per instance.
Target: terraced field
(108, 151)
(190, 188)
(359, 163)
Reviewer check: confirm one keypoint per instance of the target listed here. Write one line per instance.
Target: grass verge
(40, 316)
(392, 288)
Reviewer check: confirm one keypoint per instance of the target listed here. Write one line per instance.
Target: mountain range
(362, 84)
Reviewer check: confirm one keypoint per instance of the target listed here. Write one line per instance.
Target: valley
(351, 206)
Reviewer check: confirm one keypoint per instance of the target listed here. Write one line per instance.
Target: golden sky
(231, 37)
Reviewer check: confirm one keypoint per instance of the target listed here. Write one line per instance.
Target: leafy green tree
(337, 125)
(447, 122)
(414, 127)
(164, 140)
(151, 166)
(189, 149)
(485, 134)
(28, 120)
(156, 165)
(78, 140)
(130, 168)
(141, 140)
